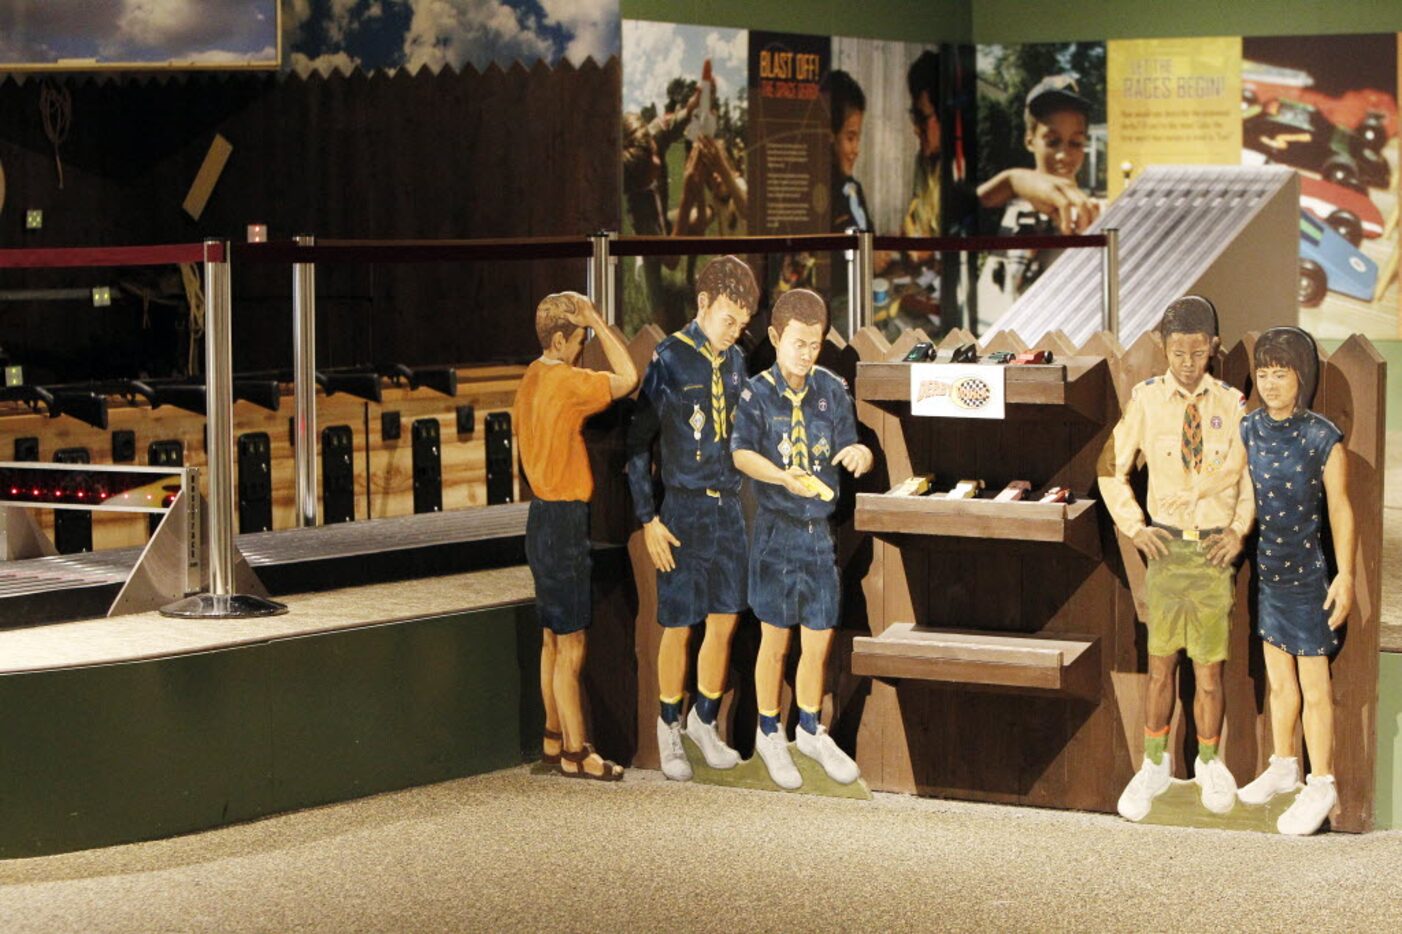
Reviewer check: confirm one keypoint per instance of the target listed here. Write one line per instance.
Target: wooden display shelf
(1073, 525)
(1063, 664)
(1076, 383)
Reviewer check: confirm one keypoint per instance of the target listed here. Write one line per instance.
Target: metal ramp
(66, 587)
(1228, 232)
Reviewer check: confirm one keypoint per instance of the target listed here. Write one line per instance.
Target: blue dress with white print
(1286, 459)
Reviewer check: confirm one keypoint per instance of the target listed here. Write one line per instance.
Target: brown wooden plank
(1355, 382)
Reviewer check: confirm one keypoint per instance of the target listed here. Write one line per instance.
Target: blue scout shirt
(763, 422)
(676, 400)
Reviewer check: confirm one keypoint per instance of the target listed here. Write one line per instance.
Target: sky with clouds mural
(413, 34)
(84, 33)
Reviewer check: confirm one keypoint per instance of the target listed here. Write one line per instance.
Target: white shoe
(820, 748)
(773, 748)
(1146, 785)
(1280, 777)
(707, 738)
(675, 764)
(1311, 806)
(1217, 784)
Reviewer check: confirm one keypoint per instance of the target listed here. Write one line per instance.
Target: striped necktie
(718, 418)
(1191, 448)
(798, 436)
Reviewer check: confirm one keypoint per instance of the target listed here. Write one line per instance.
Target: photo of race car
(1299, 135)
(1328, 262)
(1327, 106)
(1351, 213)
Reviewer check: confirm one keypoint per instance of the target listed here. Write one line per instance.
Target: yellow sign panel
(1172, 102)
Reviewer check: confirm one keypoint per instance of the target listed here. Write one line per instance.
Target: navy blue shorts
(793, 572)
(557, 550)
(710, 572)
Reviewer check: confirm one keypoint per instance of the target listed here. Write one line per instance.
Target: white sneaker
(1280, 777)
(820, 748)
(1146, 785)
(704, 735)
(1311, 806)
(675, 764)
(773, 748)
(1217, 784)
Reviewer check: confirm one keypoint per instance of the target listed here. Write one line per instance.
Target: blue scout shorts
(710, 572)
(557, 550)
(793, 572)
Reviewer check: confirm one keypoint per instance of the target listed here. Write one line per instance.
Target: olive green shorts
(1190, 603)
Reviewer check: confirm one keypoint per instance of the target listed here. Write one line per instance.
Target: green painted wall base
(1388, 793)
(113, 754)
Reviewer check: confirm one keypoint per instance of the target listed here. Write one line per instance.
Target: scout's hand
(1222, 548)
(856, 458)
(1059, 198)
(584, 314)
(660, 541)
(1152, 542)
(793, 482)
(1340, 597)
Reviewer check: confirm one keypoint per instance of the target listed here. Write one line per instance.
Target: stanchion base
(223, 606)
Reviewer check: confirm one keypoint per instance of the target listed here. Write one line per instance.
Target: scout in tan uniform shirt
(1185, 423)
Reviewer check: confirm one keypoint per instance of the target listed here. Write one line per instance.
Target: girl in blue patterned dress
(1295, 460)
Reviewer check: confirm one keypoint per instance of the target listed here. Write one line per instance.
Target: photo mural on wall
(343, 35)
(86, 34)
(685, 113)
(1041, 109)
(1327, 107)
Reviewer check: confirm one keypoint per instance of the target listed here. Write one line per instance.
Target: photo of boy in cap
(1186, 425)
(552, 403)
(697, 542)
(794, 427)
(1043, 200)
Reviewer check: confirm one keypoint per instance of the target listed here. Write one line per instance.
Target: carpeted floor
(509, 851)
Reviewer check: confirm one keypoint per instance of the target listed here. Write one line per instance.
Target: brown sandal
(612, 770)
(546, 757)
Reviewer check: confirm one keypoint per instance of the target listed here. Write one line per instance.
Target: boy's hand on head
(855, 457)
(582, 311)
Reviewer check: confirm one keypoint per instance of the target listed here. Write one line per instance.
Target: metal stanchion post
(222, 602)
(1110, 282)
(304, 384)
(600, 280)
(865, 312)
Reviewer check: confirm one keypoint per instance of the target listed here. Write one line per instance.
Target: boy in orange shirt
(554, 400)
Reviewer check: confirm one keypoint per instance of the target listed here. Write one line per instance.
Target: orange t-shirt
(551, 406)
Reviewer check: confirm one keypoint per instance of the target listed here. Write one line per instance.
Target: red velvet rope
(54, 258)
(437, 251)
(412, 251)
(984, 244)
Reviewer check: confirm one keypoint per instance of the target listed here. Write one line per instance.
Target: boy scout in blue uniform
(794, 427)
(698, 542)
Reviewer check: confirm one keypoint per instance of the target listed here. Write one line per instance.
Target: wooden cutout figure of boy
(698, 541)
(795, 426)
(552, 404)
(1295, 459)
(1186, 424)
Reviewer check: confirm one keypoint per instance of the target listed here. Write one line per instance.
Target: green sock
(1154, 747)
(1207, 749)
